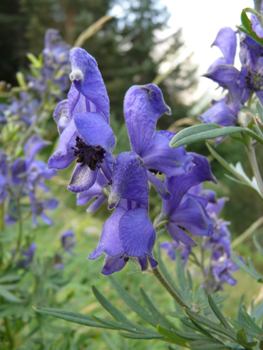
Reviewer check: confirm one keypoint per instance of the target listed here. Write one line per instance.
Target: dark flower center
(155, 172)
(88, 155)
(254, 80)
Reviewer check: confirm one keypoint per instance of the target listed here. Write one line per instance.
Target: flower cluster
(24, 177)
(220, 264)
(240, 84)
(83, 122)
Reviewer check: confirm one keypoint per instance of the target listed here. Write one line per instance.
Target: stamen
(254, 80)
(88, 155)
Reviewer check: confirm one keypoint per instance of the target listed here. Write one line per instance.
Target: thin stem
(254, 165)
(9, 333)
(2, 228)
(20, 229)
(157, 273)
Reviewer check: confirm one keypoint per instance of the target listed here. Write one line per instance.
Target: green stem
(247, 233)
(9, 333)
(20, 229)
(2, 228)
(157, 273)
(254, 165)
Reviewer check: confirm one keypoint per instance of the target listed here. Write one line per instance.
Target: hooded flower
(128, 232)
(186, 211)
(143, 105)
(83, 123)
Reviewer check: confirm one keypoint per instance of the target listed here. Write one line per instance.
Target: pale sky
(200, 21)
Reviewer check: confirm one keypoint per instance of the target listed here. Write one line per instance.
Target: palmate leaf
(208, 131)
(172, 337)
(218, 313)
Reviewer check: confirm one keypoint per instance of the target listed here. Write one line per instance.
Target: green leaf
(74, 317)
(207, 131)
(258, 246)
(245, 268)
(260, 111)
(189, 336)
(209, 345)
(117, 325)
(245, 20)
(218, 313)
(162, 321)
(171, 336)
(8, 295)
(10, 278)
(140, 335)
(180, 270)
(212, 325)
(241, 337)
(165, 272)
(132, 302)
(117, 314)
(251, 323)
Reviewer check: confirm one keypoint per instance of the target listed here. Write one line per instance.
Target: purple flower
(221, 268)
(143, 105)
(83, 121)
(38, 208)
(186, 211)
(171, 247)
(68, 241)
(27, 256)
(3, 175)
(128, 232)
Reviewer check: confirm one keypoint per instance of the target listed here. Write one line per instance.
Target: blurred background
(166, 42)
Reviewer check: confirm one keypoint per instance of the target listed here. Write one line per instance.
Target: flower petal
(82, 179)
(179, 235)
(96, 204)
(64, 155)
(192, 215)
(136, 232)
(95, 131)
(33, 145)
(158, 155)
(143, 105)
(113, 264)
(87, 79)
(109, 242)
(129, 180)
(220, 114)
(179, 185)
(159, 186)
(226, 41)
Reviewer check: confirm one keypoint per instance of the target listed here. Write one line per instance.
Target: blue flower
(128, 232)
(68, 241)
(26, 256)
(171, 247)
(186, 211)
(143, 105)
(83, 123)
(3, 175)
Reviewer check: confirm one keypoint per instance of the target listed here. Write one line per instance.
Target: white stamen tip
(76, 75)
